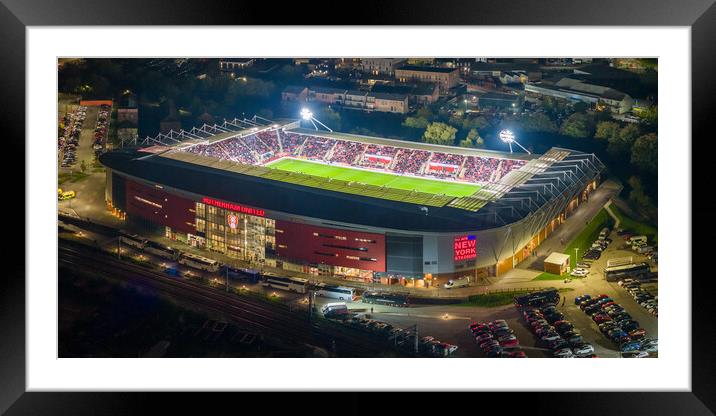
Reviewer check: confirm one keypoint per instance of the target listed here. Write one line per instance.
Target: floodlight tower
(509, 138)
(307, 115)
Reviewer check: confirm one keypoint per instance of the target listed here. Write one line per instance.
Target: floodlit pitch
(407, 183)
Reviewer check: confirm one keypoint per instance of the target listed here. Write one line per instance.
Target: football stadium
(363, 208)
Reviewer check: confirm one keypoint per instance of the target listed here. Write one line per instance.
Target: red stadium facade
(365, 251)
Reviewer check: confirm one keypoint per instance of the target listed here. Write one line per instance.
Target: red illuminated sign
(465, 247)
(234, 207)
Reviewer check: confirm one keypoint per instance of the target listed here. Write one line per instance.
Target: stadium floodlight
(508, 137)
(307, 115)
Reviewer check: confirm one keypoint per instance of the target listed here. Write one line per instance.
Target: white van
(459, 282)
(637, 238)
(604, 233)
(334, 309)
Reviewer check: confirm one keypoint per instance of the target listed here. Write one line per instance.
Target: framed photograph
(249, 205)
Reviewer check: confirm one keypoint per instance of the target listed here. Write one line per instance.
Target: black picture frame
(15, 15)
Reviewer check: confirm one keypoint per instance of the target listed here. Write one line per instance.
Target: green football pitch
(376, 178)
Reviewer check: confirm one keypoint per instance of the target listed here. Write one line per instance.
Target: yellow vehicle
(59, 191)
(66, 195)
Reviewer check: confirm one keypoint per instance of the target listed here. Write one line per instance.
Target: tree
(479, 123)
(621, 143)
(536, 123)
(456, 120)
(581, 107)
(629, 133)
(439, 133)
(425, 112)
(644, 153)
(416, 122)
(649, 114)
(577, 125)
(607, 130)
(472, 139)
(331, 118)
(639, 199)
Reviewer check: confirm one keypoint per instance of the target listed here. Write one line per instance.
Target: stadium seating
(347, 152)
(266, 146)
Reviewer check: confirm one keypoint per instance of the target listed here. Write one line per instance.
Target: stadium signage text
(233, 207)
(465, 247)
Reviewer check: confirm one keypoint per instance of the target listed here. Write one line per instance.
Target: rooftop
(438, 69)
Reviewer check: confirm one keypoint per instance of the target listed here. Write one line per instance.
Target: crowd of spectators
(347, 152)
(317, 147)
(271, 140)
(292, 143)
(232, 149)
(268, 145)
(508, 165)
(410, 161)
(479, 169)
(378, 156)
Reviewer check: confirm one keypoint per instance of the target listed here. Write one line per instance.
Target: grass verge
(583, 241)
(548, 276)
(491, 300)
(634, 226)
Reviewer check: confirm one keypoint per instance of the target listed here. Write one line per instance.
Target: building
(235, 64)
(127, 110)
(556, 263)
(294, 93)
(389, 103)
(360, 100)
(417, 94)
(445, 78)
(232, 204)
(380, 66)
(327, 95)
(575, 90)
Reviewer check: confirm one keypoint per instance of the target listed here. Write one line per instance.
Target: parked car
(583, 349)
(635, 354)
(579, 299)
(630, 346)
(564, 353)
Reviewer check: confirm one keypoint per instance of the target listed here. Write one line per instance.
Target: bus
(337, 292)
(161, 250)
(635, 270)
(292, 284)
(391, 299)
(198, 262)
(132, 240)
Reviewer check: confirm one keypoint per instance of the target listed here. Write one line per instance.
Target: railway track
(270, 320)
